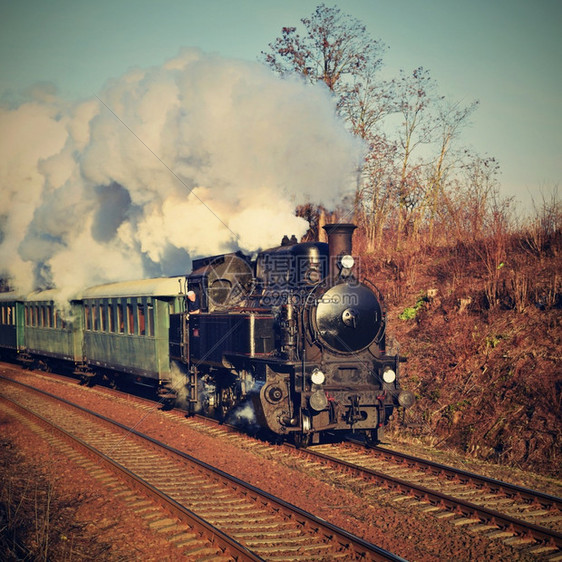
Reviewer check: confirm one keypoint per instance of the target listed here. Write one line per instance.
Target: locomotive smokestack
(339, 243)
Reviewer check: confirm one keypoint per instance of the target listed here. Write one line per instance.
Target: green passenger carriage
(126, 328)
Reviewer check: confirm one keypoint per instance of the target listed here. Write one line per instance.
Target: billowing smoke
(203, 155)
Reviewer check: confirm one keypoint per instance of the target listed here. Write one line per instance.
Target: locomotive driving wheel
(227, 400)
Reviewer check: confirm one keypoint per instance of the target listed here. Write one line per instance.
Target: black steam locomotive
(295, 334)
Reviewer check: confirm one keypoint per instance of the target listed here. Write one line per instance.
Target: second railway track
(518, 515)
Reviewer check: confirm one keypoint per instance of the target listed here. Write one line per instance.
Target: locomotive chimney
(339, 244)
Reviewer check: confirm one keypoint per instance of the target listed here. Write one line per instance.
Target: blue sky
(505, 53)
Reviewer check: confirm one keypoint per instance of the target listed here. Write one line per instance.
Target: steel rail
(510, 490)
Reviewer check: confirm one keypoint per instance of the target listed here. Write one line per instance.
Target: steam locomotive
(296, 334)
(294, 337)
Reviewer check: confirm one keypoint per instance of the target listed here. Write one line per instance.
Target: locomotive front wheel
(302, 440)
(372, 437)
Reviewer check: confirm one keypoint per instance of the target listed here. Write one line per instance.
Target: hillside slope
(484, 350)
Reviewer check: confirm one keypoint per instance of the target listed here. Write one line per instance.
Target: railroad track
(518, 516)
(210, 511)
(521, 517)
(515, 514)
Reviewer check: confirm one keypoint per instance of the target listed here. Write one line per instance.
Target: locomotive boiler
(295, 336)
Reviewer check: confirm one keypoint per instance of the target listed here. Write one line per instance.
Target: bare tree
(335, 49)
(450, 120)
(415, 102)
(378, 194)
(409, 128)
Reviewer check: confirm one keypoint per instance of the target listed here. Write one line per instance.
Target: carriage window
(130, 320)
(110, 318)
(50, 316)
(150, 319)
(35, 316)
(95, 319)
(141, 319)
(120, 321)
(87, 320)
(103, 323)
(3, 317)
(27, 316)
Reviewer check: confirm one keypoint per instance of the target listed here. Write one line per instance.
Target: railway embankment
(483, 341)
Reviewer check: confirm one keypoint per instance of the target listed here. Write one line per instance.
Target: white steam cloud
(203, 155)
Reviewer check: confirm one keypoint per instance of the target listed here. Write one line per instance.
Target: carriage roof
(160, 287)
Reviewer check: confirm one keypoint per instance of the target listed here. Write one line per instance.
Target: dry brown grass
(481, 325)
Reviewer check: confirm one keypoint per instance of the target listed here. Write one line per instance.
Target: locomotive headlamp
(347, 261)
(317, 377)
(388, 375)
